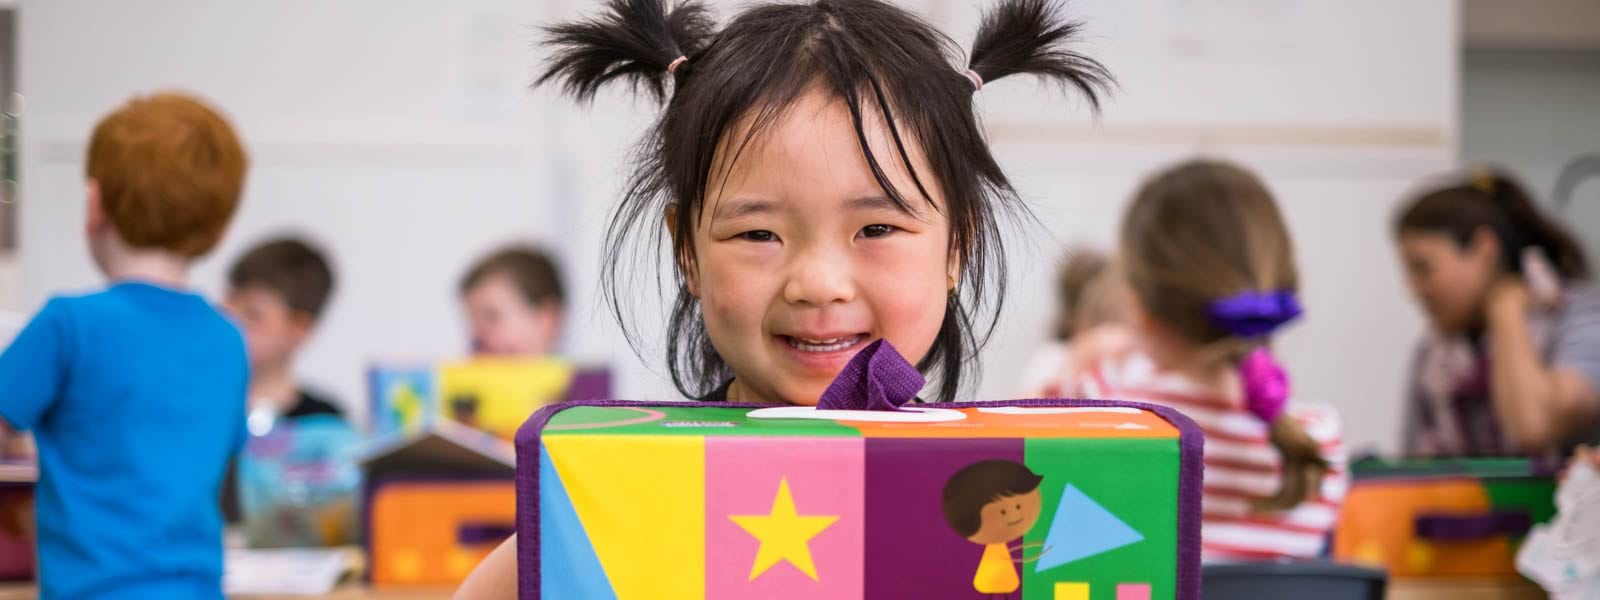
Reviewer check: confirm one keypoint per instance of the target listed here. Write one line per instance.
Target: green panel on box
(1535, 495)
(691, 419)
(1137, 482)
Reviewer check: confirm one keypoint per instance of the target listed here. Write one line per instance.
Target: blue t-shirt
(136, 397)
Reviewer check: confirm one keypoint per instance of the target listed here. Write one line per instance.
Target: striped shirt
(1241, 465)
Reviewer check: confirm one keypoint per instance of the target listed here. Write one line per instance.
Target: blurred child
(1086, 299)
(136, 393)
(1210, 268)
(515, 303)
(824, 182)
(277, 291)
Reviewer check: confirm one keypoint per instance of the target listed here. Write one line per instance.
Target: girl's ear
(953, 274)
(684, 260)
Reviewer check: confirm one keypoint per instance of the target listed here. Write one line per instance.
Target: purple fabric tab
(877, 378)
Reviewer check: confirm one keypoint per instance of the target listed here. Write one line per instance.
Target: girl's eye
(1019, 507)
(877, 231)
(760, 235)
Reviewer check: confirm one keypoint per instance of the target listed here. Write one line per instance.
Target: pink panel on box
(825, 481)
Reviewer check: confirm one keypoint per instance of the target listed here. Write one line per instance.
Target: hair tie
(1251, 314)
(672, 69)
(1483, 179)
(1266, 386)
(975, 78)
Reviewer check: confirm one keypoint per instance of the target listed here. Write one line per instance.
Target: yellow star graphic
(784, 535)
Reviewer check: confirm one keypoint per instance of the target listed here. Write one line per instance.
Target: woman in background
(1512, 364)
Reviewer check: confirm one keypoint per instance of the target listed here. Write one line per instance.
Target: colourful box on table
(1038, 500)
(492, 394)
(1443, 518)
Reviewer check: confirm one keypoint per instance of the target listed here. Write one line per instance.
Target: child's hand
(1586, 453)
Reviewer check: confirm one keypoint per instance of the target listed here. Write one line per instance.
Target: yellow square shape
(1072, 591)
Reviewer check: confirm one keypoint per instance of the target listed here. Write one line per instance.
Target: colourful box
(492, 394)
(435, 503)
(712, 500)
(1443, 518)
(433, 533)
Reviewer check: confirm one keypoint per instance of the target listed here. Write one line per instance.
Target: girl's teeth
(829, 345)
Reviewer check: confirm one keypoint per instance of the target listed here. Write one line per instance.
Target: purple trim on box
(1191, 448)
(1465, 528)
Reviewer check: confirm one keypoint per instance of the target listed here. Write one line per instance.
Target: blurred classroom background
(403, 138)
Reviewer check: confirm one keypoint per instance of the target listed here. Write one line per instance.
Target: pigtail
(1032, 37)
(1303, 464)
(1266, 395)
(638, 40)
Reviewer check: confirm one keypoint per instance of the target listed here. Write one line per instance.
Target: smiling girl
(822, 178)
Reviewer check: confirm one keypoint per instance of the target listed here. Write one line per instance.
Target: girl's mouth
(822, 355)
(833, 344)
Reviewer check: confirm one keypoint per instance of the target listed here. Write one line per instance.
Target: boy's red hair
(170, 172)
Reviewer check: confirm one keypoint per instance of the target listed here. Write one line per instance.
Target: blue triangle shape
(1081, 529)
(569, 567)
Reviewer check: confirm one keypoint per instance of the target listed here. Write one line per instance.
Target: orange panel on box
(417, 529)
(1031, 422)
(1376, 528)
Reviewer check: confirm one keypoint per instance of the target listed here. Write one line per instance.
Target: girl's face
(1008, 517)
(1450, 282)
(801, 259)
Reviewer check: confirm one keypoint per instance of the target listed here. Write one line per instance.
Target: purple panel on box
(911, 551)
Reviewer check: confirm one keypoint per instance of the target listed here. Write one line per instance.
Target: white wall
(401, 135)
(1534, 112)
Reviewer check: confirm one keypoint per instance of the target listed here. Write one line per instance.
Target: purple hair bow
(877, 378)
(1254, 314)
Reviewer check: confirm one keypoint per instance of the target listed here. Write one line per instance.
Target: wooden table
(1422, 589)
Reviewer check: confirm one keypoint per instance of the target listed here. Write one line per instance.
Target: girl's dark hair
(1491, 200)
(979, 484)
(740, 79)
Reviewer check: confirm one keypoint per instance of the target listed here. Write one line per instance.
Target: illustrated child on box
(821, 175)
(135, 392)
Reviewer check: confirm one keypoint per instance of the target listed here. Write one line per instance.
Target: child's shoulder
(136, 307)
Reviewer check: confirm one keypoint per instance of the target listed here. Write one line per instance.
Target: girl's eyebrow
(880, 203)
(873, 203)
(743, 207)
